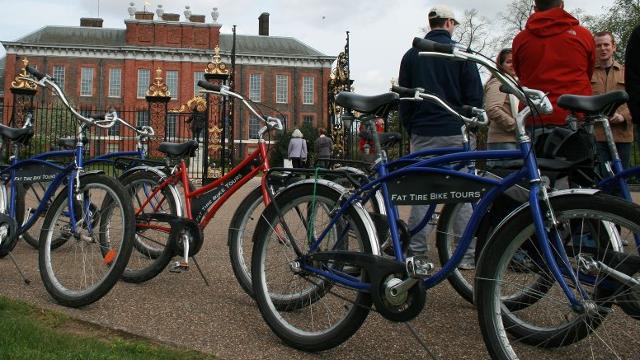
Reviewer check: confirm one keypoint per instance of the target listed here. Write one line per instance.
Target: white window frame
(86, 81)
(144, 78)
(254, 126)
(305, 122)
(58, 76)
(173, 84)
(115, 82)
(282, 89)
(308, 83)
(255, 87)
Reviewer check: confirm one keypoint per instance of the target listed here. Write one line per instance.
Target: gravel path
(222, 320)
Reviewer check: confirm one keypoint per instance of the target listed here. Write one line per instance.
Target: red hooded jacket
(557, 55)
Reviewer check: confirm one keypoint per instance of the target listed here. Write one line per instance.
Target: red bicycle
(170, 220)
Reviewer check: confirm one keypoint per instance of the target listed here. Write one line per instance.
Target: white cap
(442, 12)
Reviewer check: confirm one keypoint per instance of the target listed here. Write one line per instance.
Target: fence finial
(158, 88)
(18, 83)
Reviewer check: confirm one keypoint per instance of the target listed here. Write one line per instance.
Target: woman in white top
(297, 149)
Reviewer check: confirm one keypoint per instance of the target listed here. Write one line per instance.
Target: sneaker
(467, 265)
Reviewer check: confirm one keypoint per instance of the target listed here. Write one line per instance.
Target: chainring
(8, 234)
(402, 308)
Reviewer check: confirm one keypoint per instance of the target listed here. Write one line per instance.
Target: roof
(245, 44)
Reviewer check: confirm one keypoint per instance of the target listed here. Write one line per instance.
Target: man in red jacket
(554, 54)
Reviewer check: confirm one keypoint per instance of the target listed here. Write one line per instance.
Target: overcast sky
(381, 30)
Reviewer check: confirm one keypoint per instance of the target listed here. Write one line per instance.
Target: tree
(621, 18)
(474, 31)
(514, 19)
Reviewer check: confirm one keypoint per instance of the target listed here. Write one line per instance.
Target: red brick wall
(172, 34)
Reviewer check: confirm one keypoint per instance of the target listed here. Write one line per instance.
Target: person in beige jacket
(501, 109)
(608, 76)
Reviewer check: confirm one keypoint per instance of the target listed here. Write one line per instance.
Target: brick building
(101, 68)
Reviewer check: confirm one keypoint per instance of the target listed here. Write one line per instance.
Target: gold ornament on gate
(18, 83)
(216, 66)
(158, 88)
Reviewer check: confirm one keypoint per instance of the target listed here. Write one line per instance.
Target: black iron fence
(54, 121)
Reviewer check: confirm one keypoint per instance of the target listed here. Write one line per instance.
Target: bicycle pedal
(179, 267)
(418, 266)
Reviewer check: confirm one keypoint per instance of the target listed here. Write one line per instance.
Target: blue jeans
(500, 146)
(418, 242)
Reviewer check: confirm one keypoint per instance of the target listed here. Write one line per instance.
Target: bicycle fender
(362, 213)
(172, 188)
(378, 195)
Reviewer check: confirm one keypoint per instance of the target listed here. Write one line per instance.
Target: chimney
(170, 17)
(91, 22)
(144, 15)
(197, 18)
(263, 24)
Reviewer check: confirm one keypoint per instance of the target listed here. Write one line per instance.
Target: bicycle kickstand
(24, 278)
(200, 270)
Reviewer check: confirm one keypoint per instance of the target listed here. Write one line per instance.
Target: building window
(143, 82)
(170, 131)
(115, 81)
(197, 76)
(86, 81)
(307, 120)
(284, 119)
(142, 118)
(254, 126)
(307, 90)
(172, 83)
(58, 75)
(255, 87)
(282, 89)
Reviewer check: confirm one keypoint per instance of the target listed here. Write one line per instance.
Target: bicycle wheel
(8, 228)
(151, 253)
(447, 238)
(30, 196)
(512, 262)
(241, 230)
(82, 270)
(305, 310)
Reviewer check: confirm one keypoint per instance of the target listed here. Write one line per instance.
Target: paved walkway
(222, 320)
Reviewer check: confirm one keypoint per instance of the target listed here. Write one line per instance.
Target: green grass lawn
(30, 333)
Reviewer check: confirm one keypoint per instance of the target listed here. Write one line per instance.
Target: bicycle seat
(21, 135)
(70, 143)
(179, 150)
(594, 105)
(365, 104)
(387, 139)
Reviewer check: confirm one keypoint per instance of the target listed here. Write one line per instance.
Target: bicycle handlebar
(223, 90)
(33, 71)
(469, 114)
(432, 46)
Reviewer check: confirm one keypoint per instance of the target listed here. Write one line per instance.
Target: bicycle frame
(219, 191)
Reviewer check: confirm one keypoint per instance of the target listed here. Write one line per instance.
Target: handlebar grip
(403, 91)
(432, 46)
(33, 71)
(208, 86)
(467, 111)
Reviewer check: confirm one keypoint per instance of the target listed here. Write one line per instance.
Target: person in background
(608, 76)
(297, 149)
(429, 125)
(501, 108)
(323, 147)
(554, 54)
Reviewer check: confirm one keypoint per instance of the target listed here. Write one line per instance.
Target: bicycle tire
(314, 289)
(57, 275)
(509, 334)
(151, 253)
(241, 230)
(7, 247)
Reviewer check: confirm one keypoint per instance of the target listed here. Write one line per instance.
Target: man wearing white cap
(429, 125)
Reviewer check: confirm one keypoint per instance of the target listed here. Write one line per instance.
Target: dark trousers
(624, 151)
(297, 162)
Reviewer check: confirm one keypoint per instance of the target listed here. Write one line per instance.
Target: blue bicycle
(30, 195)
(92, 212)
(318, 269)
